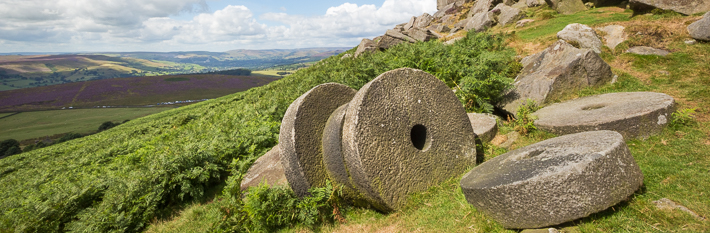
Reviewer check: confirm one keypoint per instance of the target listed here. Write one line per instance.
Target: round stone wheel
(554, 181)
(633, 114)
(484, 125)
(301, 135)
(332, 148)
(404, 132)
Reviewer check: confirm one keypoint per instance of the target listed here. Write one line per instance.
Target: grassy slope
(675, 163)
(29, 125)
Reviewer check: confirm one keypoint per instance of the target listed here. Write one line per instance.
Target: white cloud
(146, 24)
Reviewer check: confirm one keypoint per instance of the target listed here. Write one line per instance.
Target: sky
(196, 25)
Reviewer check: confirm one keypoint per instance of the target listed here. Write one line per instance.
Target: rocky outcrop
(557, 70)
(481, 22)
(366, 46)
(534, 3)
(614, 35)
(644, 50)
(583, 35)
(567, 7)
(554, 181)
(632, 114)
(481, 6)
(508, 15)
(686, 7)
(700, 30)
(441, 4)
(423, 21)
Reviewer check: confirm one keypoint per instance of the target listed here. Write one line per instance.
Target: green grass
(29, 125)
(271, 73)
(5, 114)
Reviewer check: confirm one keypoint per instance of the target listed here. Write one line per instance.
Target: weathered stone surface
(484, 125)
(614, 35)
(333, 148)
(399, 35)
(686, 7)
(582, 34)
(346, 56)
(366, 46)
(508, 14)
(403, 132)
(420, 34)
(423, 21)
(440, 4)
(633, 114)
(267, 169)
(534, 3)
(644, 50)
(567, 7)
(700, 30)
(554, 181)
(521, 5)
(481, 6)
(481, 22)
(442, 11)
(301, 135)
(440, 28)
(448, 20)
(557, 70)
(410, 24)
(523, 22)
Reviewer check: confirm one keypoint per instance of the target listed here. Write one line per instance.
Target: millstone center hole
(593, 106)
(419, 137)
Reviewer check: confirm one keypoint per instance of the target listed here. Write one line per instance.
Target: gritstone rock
(554, 181)
(567, 7)
(481, 6)
(481, 22)
(420, 34)
(404, 132)
(633, 114)
(644, 50)
(332, 148)
(508, 14)
(439, 28)
(366, 45)
(442, 11)
(582, 34)
(423, 21)
(392, 38)
(410, 24)
(266, 169)
(346, 56)
(521, 5)
(534, 3)
(440, 4)
(686, 7)
(700, 30)
(301, 135)
(614, 35)
(557, 70)
(484, 125)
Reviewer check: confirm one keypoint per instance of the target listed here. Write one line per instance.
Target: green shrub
(683, 117)
(7, 144)
(12, 151)
(525, 121)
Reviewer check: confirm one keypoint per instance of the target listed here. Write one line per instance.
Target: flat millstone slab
(554, 181)
(332, 148)
(301, 134)
(633, 114)
(404, 132)
(484, 125)
(267, 169)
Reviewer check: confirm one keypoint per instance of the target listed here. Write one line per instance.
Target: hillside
(180, 170)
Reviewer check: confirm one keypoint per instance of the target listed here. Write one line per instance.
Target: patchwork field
(27, 125)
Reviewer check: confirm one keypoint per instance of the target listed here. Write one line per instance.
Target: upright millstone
(301, 135)
(404, 132)
(332, 148)
(554, 181)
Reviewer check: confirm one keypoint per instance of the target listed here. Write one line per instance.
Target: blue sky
(196, 25)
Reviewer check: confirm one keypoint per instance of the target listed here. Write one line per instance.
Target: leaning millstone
(582, 34)
(481, 22)
(508, 14)
(686, 7)
(332, 148)
(366, 46)
(644, 50)
(557, 70)
(633, 114)
(484, 125)
(554, 181)
(700, 30)
(404, 132)
(267, 169)
(614, 35)
(302, 131)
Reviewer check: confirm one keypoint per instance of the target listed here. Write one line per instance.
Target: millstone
(484, 125)
(332, 148)
(633, 114)
(302, 131)
(404, 132)
(554, 181)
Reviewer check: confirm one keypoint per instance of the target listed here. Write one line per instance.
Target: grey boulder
(420, 34)
(484, 126)
(700, 30)
(554, 181)
(567, 7)
(645, 50)
(632, 114)
(557, 70)
(366, 46)
(267, 169)
(585, 36)
(686, 7)
(481, 22)
(508, 14)
(614, 35)
(480, 7)
(423, 21)
(534, 3)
